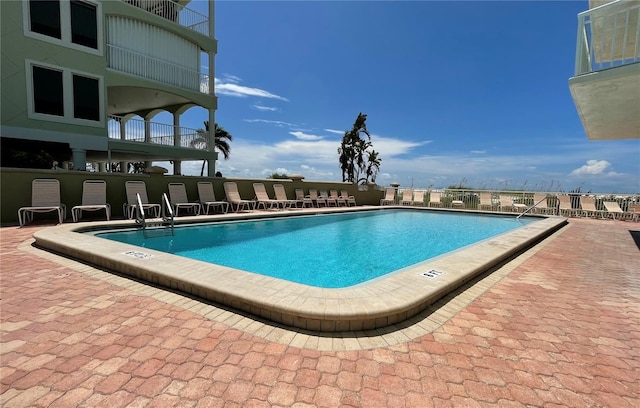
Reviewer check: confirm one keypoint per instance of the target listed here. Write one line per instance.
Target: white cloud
(592, 167)
(280, 170)
(424, 164)
(231, 78)
(478, 151)
(337, 132)
(231, 88)
(265, 108)
(273, 122)
(304, 136)
(390, 147)
(313, 156)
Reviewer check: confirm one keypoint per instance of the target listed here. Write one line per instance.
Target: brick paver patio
(561, 328)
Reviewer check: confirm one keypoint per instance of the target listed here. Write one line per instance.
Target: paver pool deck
(558, 326)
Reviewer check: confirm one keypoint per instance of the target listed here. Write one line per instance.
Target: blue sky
(474, 92)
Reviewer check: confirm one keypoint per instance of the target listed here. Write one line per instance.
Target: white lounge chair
(418, 198)
(505, 203)
(315, 198)
(45, 197)
(94, 198)
(303, 200)
(348, 198)
(542, 206)
(233, 197)
(589, 208)
(434, 199)
(615, 212)
(407, 197)
(389, 196)
(565, 207)
(634, 211)
(178, 198)
(208, 200)
(519, 202)
(323, 195)
(457, 204)
(134, 188)
(262, 198)
(486, 201)
(333, 195)
(281, 196)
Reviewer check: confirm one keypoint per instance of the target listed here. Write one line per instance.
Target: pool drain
(431, 274)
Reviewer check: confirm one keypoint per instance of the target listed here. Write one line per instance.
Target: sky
(455, 92)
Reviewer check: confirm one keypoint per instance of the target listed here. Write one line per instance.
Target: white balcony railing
(155, 69)
(175, 12)
(134, 130)
(608, 36)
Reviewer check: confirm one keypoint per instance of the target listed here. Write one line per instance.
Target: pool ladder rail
(161, 224)
(531, 208)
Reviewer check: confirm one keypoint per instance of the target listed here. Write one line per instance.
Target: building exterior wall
(16, 51)
(142, 33)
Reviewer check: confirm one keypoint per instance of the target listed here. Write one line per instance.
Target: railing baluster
(160, 133)
(175, 12)
(601, 34)
(156, 69)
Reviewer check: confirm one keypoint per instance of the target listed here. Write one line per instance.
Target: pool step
(157, 227)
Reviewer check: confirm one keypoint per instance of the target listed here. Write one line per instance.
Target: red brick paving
(561, 330)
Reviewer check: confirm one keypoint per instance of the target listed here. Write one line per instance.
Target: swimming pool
(330, 250)
(377, 303)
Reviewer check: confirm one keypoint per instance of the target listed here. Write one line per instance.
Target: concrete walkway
(557, 327)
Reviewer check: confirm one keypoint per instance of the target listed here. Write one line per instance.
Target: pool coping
(375, 304)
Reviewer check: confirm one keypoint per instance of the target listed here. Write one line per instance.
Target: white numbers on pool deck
(431, 274)
(137, 254)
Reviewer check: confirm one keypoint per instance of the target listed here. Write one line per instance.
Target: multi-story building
(606, 85)
(89, 76)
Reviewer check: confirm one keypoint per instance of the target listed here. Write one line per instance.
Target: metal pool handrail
(531, 208)
(166, 209)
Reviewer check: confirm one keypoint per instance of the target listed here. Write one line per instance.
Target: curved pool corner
(382, 302)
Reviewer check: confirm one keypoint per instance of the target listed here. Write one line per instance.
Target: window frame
(67, 96)
(65, 26)
(60, 74)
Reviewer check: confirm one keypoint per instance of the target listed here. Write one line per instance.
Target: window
(75, 23)
(45, 17)
(48, 97)
(84, 27)
(64, 95)
(86, 96)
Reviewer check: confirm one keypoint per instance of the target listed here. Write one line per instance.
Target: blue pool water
(332, 250)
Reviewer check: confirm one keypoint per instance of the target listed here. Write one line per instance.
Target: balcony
(608, 37)
(172, 11)
(154, 133)
(606, 85)
(155, 69)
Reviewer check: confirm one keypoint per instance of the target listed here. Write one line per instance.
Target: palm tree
(373, 166)
(222, 139)
(352, 153)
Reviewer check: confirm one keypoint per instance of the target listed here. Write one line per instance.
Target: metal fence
(172, 11)
(511, 201)
(135, 130)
